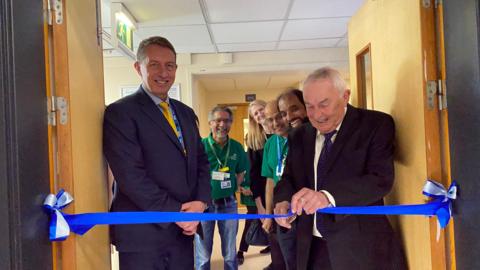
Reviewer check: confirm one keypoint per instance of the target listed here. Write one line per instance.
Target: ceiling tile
(246, 47)
(302, 9)
(342, 43)
(165, 12)
(315, 28)
(308, 44)
(246, 10)
(246, 32)
(178, 35)
(195, 48)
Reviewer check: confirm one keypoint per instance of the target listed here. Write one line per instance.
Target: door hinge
(442, 95)
(55, 6)
(438, 3)
(60, 105)
(436, 90)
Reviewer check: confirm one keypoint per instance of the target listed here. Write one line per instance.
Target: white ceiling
(217, 26)
(252, 81)
(210, 26)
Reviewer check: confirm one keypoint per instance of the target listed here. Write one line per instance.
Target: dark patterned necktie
(322, 161)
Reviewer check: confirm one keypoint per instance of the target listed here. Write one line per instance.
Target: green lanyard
(223, 166)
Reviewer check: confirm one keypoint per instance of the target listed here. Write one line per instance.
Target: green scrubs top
(274, 154)
(225, 163)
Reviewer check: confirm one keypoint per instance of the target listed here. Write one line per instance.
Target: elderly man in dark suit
(343, 157)
(154, 149)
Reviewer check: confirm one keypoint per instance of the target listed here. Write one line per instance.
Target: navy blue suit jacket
(359, 172)
(151, 169)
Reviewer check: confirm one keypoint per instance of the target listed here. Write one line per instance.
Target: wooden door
(75, 55)
(239, 124)
(24, 179)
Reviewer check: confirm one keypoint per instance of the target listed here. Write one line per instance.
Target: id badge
(219, 176)
(279, 170)
(225, 184)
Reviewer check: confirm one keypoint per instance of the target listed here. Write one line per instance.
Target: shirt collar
(154, 98)
(213, 142)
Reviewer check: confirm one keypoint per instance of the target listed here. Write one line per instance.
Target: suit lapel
(348, 124)
(154, 113)
(309, 138)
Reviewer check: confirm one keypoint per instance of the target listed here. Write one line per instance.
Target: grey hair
(220, 109)
(155, 40)
(328, 73)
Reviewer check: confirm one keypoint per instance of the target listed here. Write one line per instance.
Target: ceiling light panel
(302, 9)
(308, 44)
(165, 12)
(246, 10)
(315, 28)
(246, 32)
(246, 47)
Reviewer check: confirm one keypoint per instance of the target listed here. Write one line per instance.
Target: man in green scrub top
(228, 164)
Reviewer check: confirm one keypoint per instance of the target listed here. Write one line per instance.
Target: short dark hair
(220, 109)
(155, 40)
(292, 92)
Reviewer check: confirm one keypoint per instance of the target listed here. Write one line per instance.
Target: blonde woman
(255, 140)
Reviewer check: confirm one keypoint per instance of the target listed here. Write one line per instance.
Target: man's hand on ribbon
(281, 208)
(189, 228)
(308, 200)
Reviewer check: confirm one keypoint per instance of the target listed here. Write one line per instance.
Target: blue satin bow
(61, 224)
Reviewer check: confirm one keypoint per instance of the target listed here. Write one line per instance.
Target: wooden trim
(361, 90)
(64, 133)
(446, 171)
(51, 131)
(437, 152)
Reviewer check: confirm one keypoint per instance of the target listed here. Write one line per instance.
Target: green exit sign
(125, 34)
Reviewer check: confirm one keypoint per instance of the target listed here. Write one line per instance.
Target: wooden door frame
(436, 128)
(361, 90)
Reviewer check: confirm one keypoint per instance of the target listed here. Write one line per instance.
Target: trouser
(243, 244)
(288, 245)
(178, 256)
(228, 233)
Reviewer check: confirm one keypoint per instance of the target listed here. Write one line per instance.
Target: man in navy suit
(343, 157)
(154, 149)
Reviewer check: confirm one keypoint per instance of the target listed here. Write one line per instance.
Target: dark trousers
(318, 258)
(243, 245)
(287, 239)
(178, 256)
(278, 262)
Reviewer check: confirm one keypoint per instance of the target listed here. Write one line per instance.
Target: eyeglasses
(224, 120)
(277, 117)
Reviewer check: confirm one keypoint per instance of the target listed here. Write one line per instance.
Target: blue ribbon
(61, 224)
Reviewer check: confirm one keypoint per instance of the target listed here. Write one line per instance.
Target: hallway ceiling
(211, 26)
(220, 26)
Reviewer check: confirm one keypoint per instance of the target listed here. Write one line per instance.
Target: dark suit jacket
(359, 172)
(150, 167)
